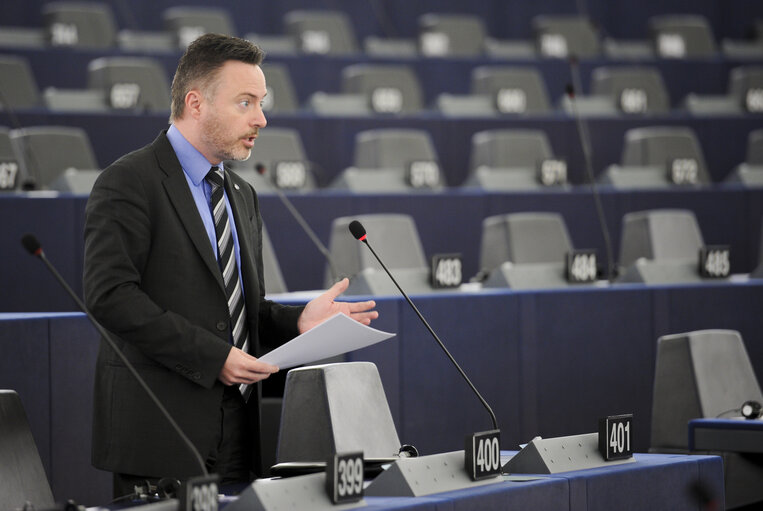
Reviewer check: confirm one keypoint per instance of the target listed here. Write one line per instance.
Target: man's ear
(193, 101)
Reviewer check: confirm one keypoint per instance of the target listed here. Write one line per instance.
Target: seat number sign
(615, 433)
(482, 455)
(344, 477)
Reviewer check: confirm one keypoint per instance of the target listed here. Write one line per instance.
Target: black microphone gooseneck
(33, 247)
(357, 230)
(585, 143)
(260, 168)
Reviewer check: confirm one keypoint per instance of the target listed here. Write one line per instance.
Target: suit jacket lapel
(247, 241)
(177, 189)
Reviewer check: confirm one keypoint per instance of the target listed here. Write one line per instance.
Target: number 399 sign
(344, 477)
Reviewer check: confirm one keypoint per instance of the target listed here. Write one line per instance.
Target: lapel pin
(236, 186)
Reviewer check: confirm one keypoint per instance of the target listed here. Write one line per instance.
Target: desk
(738, 435)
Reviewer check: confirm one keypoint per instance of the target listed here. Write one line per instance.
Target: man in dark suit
(173, 267)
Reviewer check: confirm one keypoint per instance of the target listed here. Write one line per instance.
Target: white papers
(335, 336)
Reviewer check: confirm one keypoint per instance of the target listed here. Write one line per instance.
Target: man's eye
(245, 103)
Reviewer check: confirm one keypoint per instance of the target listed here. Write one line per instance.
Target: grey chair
(750, 172)
(564, 36)
(79, 24)
(508, 159)
(705, 374)
(660, 246)
(513, 90)
(9, 165)
(392, 160)
(328, 104)
(274, 282)
(46, 152)
(389, 89)
(524, 250)
(633, 90)
(396, 240)
(757, 273)
(451, 35)
(744, 95)
(187, 23)
(274, 44)
(18, 87)
(281, 97)
(281, 152)
(390, 47)
(22, 475)
(131, 83)
(659, 157)
(681, 36)
(321, 32)
(335, 408)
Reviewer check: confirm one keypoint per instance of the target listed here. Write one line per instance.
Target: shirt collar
(194, 164)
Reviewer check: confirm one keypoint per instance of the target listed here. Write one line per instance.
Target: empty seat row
(523, 251)
(395, 161)
(141, 84)
(93, 25)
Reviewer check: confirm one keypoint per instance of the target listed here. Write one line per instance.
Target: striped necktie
(226, 258)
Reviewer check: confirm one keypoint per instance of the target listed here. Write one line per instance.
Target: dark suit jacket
(151, 278)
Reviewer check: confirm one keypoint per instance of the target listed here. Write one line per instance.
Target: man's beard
(215, 136)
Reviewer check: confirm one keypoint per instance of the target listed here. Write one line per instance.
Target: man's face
(231, 115)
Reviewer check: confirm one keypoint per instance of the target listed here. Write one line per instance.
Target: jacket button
(222, 326)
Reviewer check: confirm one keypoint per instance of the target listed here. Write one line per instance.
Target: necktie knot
(215, 177)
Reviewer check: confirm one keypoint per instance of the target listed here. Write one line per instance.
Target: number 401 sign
(615, 433)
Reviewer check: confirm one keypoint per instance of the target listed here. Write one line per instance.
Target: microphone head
(260, 168)
(357, 230)
(31, 244)
(569, 90)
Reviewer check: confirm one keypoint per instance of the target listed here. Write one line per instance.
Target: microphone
(359, 232)
(585, 144)
(33, 246)
(261, 170)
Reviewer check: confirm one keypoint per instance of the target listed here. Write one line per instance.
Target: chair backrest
(47, 151)
(454, 35)
(392, 148)
(661, 146)
(132, 83)
(390, 89)
(394, 237)
(699, 374)
(660, 234)
(274, 282)
(681, 36)
(82, 24)
(18, 88)
(755, 147)
(523, 238)
(509, 149)
(564, 36)
(10, 177)
(281, 97)
(634, 90)
(22, 476)
(276, 147)
(515, 90)
(322, 32)
(188, 23)
(335, 408)
(746, 87)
